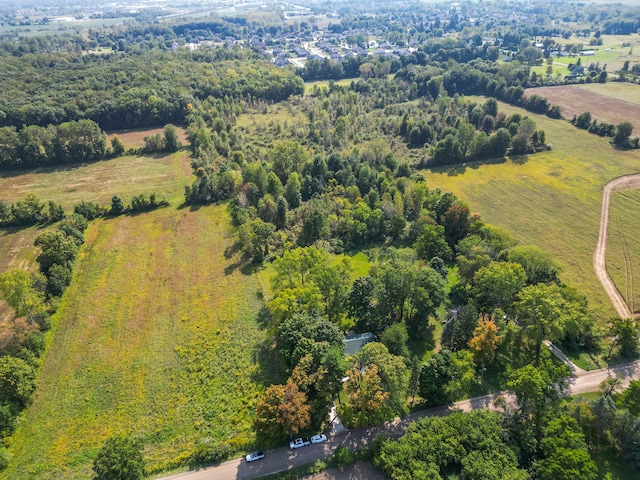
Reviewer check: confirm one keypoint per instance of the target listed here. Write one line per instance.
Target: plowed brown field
(574, 100)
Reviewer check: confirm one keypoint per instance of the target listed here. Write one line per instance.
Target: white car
(253, 456)
(299, 442)
(319, 438)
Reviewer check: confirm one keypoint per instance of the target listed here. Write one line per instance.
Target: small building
(354, 343)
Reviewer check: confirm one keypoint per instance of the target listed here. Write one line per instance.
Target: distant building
(354, 343)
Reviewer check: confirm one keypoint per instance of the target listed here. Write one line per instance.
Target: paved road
(622, 183)
(284, 459)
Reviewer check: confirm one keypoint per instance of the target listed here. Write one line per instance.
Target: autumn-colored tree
(282, 410)
(367, 398)
(485, 340)
(294, 413)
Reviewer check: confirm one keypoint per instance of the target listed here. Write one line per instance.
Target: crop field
(551, 199)
(611, 102)
(623, 252)
(155, 338)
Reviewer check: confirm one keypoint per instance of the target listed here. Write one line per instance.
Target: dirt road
(599, 264)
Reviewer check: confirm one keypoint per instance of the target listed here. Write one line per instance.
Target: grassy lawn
(166, 175)
(551, 199)
(623, 253)
(155, 338)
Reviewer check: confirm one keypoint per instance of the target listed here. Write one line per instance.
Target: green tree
(565, 452)
(626, 336)
(497, 285)
(117, 147)
(120, 458)
(432, 243)
(17, 381)
(17, 288)
(292, 190)
(629, 399)
(171, 139)
(395, 338)
(288, 156)
(544, 314)
(539, 265)
(623, 132)
(57, 248)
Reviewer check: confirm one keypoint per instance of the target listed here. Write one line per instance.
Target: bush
(343, 456)
(207, 453)
(119, 458)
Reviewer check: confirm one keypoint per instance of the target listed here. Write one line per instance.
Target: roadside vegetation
(196, 284)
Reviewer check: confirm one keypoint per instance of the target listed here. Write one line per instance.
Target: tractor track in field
(628, 182)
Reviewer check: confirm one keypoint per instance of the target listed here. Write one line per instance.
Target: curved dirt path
(628, 182)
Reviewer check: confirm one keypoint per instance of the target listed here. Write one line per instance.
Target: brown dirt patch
(574, 101)
(135, 138)
(357, 471)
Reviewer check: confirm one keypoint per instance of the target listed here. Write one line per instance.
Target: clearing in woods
(156, 338)
(610, 102)
(551, 199)
(135, 138)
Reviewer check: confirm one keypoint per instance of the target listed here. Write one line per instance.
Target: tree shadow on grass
(266, 359)
(422, 342)
(520, 159)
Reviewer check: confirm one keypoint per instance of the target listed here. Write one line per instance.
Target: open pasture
(155, 338)
(610, 103)
(551, 199)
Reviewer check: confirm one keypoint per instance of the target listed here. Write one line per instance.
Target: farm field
(623, 253)
(155, 338)
(550, 199)
(610, 103)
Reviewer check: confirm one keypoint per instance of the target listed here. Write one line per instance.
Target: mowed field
(156, 338)
(551, 199)
(610, 102)
(623, 253)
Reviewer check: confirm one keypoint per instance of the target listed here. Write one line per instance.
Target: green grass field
(98, 182)
(155, 338)
(623, 253)
(550, 199)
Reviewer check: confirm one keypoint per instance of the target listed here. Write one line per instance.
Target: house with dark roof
(354, 343)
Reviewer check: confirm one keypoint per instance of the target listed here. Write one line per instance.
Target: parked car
(253, 456)
(299, 442)
(319, 438)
